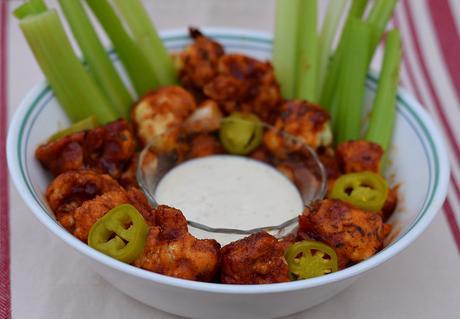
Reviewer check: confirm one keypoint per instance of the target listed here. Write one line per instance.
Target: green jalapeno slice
(308, 259)
(365, 190)
(121, 233)
(241, 133)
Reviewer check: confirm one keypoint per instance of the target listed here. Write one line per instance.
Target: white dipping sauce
(230, 192)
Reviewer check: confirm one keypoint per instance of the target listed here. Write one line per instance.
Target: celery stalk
(137, 66)
(380, 14)
(30, 7)
(351, 83)
(357, 9)
(326, 37)
(96, 56)
(86, 124)
(147, 38)
(383, 113)
(75, 89)
(333, 73)
(307, 51)
(285, 45)
(329, 101)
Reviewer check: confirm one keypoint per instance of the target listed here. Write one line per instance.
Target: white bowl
(418, 162)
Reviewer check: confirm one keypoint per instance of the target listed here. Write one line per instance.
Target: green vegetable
(30, 7)
(378, 17)
(136, 64)
(100, 65)
(347, 124)
(334, 69)
(241, 133)
(285, 45)
(357, 9)
(365, 190)
(328, 32)
(383, 114)
(309, 259)
(121, 233)
(356, 12)
(147, 38)
(307, 51)
(295, 48)
(83, 125)
(75, 89)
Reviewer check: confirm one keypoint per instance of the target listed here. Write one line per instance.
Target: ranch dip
(227, 191)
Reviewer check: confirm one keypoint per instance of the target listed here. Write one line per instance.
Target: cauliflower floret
(171, 250)
(354, 234)
(158, 115)
(72, 188)
(301, 119)
(204, 145)
(359, 156)
(198, 62)
(107, 149)
(206, 118)
(245, 84)
(80, 198)
(256, 259)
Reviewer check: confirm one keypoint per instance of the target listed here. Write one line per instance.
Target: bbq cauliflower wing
(303, 120)
(353, 233)
(257, 259)
(204, 145)
(198, 62)
(245, 84)
(158, 115)
(206, 118)
(171, 250)
(79, 198)
(107, 149)
(359, 156)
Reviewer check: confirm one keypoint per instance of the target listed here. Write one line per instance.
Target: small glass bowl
(298, 161)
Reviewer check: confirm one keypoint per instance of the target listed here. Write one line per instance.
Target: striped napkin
(5, 304)
(431, 72)
(430, 31)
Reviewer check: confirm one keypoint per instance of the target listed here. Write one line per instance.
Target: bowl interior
(414, 160)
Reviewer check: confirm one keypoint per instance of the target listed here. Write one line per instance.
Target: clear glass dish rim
(235, 231)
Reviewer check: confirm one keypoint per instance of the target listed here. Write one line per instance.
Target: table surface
(49, 280)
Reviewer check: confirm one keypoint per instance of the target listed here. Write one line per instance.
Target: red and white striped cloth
(430, 32)
(5, 302)
(431, 71)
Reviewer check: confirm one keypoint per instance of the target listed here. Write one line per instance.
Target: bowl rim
(439, 194)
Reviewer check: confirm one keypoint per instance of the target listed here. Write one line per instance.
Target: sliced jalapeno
(366, 190)
(83, 125)
(308, 259)
(121, 233)
(240, 133)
